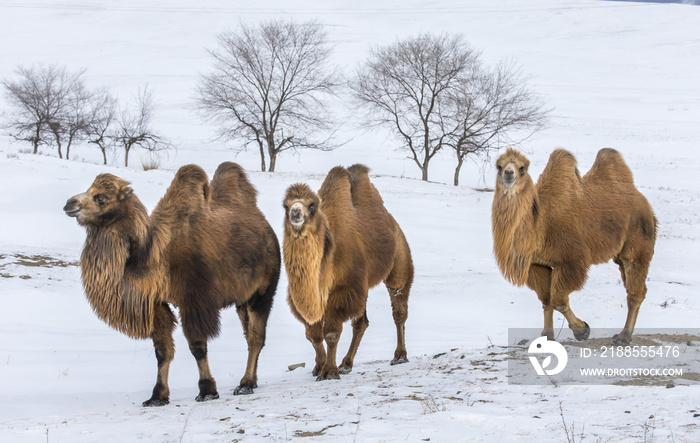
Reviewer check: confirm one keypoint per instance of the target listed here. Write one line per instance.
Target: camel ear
(125, 192)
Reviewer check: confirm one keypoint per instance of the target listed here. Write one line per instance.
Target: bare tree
(134, 128)
(432, 92)
(40, 97)
(100, 130)
(267, 86)
(490, 110)
(72, 120)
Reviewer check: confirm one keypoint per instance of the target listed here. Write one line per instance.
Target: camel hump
(191, 180)
(610, 166)
(191, 174)
(336, 185)
(230, 184)
(362, 190)
(562, 163)
(562, 158)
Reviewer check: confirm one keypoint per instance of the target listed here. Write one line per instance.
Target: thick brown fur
(548, 235)
(337, 245)
(206, 246)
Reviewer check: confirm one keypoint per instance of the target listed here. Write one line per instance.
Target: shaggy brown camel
(547, 235)
(337, 245)
(206, 246)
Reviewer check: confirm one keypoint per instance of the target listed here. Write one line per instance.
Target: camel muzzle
(296, 218)
(508, 178)
(71, 208)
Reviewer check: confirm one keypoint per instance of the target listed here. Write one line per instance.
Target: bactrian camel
(337, 245)
(205, 247)
(547, 235)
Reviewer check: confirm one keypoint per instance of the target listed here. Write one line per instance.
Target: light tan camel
(547, 235)
(337, 245)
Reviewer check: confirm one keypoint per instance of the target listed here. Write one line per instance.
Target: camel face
(300, 207)
(512, 167)
(300, 213)
(101, 203)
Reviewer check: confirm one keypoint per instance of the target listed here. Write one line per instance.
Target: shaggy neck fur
(116, 264)
(514, 217)
(307, 258)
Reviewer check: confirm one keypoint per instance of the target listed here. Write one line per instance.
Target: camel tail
(230, 184)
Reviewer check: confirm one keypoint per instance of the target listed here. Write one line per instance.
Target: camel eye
(522, 170)
(286, 208)
(312, 208)
(500, 168)
(100, 199)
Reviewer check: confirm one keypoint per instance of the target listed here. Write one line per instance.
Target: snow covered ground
(618, 74)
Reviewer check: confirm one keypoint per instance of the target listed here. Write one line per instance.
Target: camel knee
(634, 300)
(400, 314)
(332, 337)
(164, 355)
(360, 323)
(199, 351)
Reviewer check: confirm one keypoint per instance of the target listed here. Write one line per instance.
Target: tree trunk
(104, 154)
(460, 162)
(36, 140)
(58, 142)
(424, 170)
(262, 157)
(126, 156)
(273, 161)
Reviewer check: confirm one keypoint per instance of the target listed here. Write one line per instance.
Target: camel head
(512, 171)
(102, 203)
(301, 209)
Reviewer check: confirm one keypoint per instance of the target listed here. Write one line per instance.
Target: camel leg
(332, 327)
(253, 316)
(359, 325)
(207, 384)
(566, 279)
(399, 310)
(314, 333)
(539, 279)
(398, 283)
(197, 342)
(635, 284)
(163, 327)
(621, 265)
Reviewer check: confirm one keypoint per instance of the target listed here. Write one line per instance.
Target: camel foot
(243, 390)
(317, 370)
(620, 340)
(154, 402)
(399, 360)
(582, 334)
(549, 333)
(207, 397)
(344, 369)
(330, 376)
